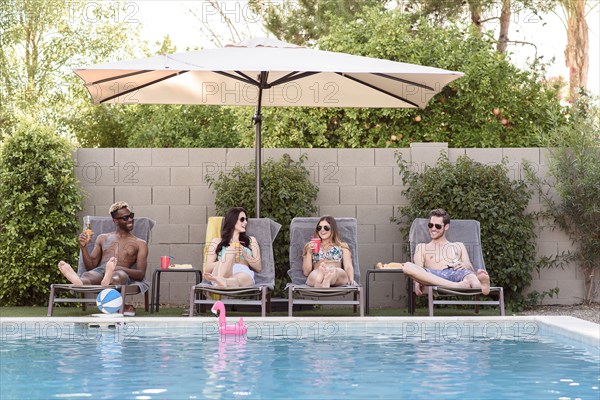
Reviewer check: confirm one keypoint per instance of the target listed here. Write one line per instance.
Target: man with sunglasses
(118, 257)
(440, 262)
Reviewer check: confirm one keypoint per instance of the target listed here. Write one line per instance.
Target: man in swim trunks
(118, 258)
(440, 262)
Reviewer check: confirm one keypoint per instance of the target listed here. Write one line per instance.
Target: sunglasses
(243, 219)
(325, 227)
(126, 217)
(437, 226)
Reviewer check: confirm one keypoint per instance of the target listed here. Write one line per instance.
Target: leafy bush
(286, 192)
(471, 190)
(158, 126)
(39, 198)
(574, 174)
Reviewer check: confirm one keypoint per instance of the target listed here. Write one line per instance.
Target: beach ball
(109, 301)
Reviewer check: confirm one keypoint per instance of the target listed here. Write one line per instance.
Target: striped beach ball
(109, 301)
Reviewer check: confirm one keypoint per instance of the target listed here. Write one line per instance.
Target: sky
(174, 18)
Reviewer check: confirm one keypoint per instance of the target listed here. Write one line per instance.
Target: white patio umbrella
(266, 72)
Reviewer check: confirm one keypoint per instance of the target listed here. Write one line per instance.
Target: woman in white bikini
(329, 264)
(233, 259)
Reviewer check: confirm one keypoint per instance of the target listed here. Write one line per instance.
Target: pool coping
(575, 329)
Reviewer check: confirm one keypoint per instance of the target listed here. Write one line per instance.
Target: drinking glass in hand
(88, 229)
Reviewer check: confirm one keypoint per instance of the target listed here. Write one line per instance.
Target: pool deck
(570, 328)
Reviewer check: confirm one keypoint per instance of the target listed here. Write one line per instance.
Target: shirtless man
(113, 256)
(441, 263)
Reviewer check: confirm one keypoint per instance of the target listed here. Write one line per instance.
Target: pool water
(301, 362)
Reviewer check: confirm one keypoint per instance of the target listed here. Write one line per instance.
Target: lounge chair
(468, 232)
(265, 231)
(301, 230)
(99, 225)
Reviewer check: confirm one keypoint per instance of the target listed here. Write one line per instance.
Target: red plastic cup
(165, 261)
(317, 246)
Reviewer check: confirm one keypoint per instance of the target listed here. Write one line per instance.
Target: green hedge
(39, 199)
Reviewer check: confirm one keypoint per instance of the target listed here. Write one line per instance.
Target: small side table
(411, 305)
(156, 284)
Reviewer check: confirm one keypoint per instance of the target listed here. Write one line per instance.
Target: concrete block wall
(168, 185)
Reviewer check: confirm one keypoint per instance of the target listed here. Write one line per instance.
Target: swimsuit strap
(244, 250)
(334, 253)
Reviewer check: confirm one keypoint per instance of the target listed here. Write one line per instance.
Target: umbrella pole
(257, 148)
(257, 156)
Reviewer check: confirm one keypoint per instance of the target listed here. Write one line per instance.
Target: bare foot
(68, 272)
(484, 279)
(463, 284)
(216, 280)
(327, 277)
(108, 271)
(418, 288)
(129, 310)
(393, 265)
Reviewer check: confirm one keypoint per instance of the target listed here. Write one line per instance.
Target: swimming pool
(299, 358)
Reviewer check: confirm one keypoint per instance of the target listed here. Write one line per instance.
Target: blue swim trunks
(450, 274)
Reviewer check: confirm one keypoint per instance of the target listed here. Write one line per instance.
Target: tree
(305, 21)
(446, 10)
(577, 51)
(183, 126)
(240, 24)
(479, 13)
(42, 41)
(101, 126)
(156, 126)
(504, 26)
(495, 104)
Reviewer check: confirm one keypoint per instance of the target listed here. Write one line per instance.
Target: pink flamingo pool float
(224, 329)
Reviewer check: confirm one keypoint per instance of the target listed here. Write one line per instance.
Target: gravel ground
(589, 313)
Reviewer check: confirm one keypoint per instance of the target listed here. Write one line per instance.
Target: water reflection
(226, 365)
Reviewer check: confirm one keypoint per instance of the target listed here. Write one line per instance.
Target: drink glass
(88, 229)
(237, 249)
(316, 247)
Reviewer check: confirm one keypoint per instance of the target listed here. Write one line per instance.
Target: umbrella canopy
(265, 72)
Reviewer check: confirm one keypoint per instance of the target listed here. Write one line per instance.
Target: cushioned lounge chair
(265, 231)
(301, 230)
(468, 232)
(87, 294)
